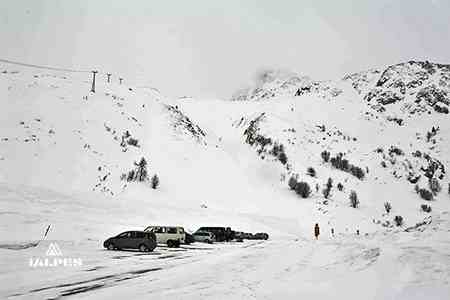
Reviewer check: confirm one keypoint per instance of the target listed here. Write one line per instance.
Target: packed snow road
(378, 266)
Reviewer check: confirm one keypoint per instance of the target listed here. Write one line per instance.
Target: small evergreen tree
(398, 220)
(141, 170)
(354, 202)
(387, 207)
(325, 155)
(311, 172)
(327, 190)
(340, 187)
(155, 181)
(131, 176)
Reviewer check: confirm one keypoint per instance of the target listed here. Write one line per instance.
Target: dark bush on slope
(311, 172)
(426, 208)
(354, 202)
(344, 165)
(327, 190)
(425, 194)
(398, 220)
(434, 185)
(325, 155)
(387, 207)
(133, 142)
(292, 182)
(155, 182)
(303, 189)
(139, 173)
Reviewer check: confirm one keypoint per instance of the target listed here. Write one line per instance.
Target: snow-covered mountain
(66, 155)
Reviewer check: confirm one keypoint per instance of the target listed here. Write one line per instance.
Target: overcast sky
(211, 48)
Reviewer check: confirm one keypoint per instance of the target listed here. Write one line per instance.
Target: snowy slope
(64, 150)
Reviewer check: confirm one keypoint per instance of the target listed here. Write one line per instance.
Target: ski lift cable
(44, 67)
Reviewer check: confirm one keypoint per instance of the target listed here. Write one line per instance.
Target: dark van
(144, 241)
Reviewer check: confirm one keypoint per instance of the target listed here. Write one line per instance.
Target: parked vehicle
(172, 236)
(239, 235)
(189, 239)
(261, 236)
(204, 237)
(220, 233)
(248, 236)
(144, 241)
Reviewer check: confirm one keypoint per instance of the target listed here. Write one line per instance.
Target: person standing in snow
(316, 231)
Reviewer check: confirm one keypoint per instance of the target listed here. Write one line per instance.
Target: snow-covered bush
(398, 220)
(302, 189)
(340, 186)
(354, 202)
(426, 208)
(387, 207)
(155, 181)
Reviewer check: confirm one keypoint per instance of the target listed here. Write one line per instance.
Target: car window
(124, 234)
(159, 230)
(139, 235)
(180, 230)
(172, 230)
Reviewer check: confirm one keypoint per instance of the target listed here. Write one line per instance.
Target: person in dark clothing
(316, 231)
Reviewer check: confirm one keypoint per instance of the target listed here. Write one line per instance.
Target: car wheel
(170, 243)
(143, 248)
(111, 246)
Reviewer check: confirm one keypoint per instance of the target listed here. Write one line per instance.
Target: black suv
(144, 241)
